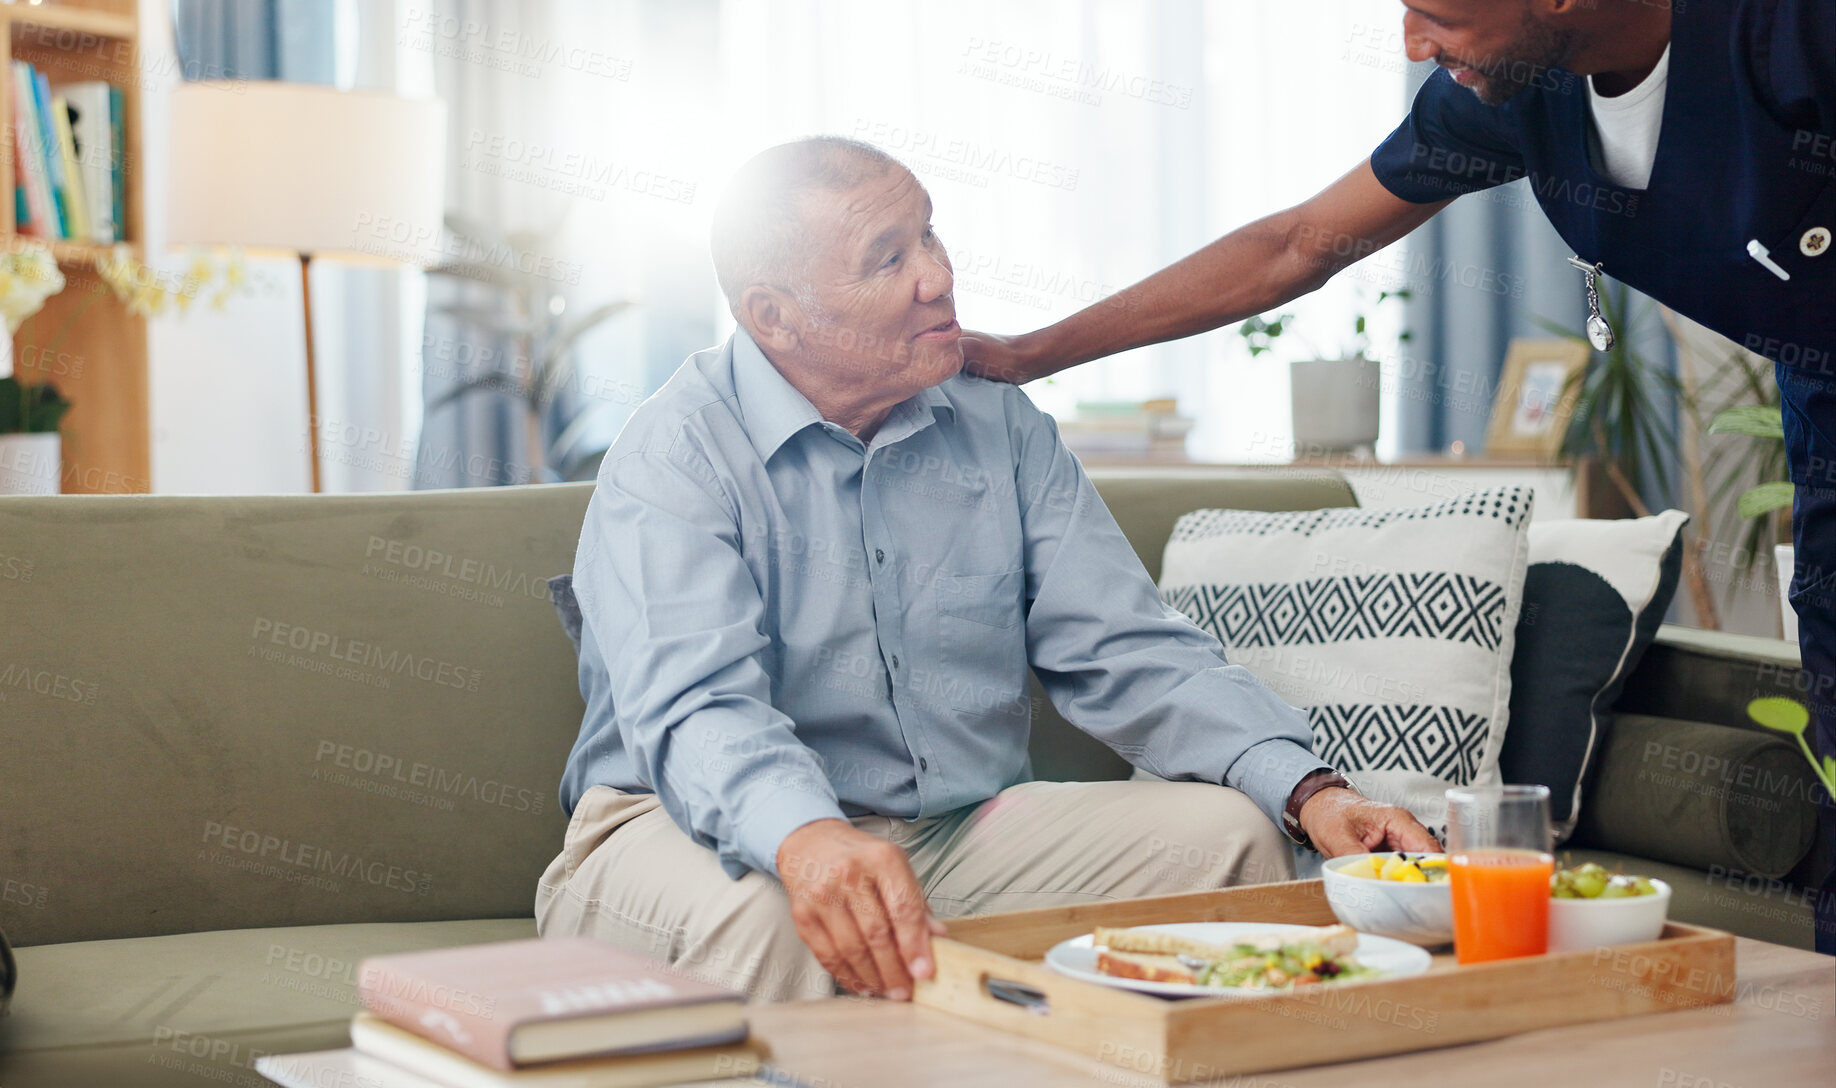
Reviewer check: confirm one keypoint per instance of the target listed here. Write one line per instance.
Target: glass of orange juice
(1498, 869)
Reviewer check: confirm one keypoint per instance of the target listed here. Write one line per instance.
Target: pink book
(517, 1003)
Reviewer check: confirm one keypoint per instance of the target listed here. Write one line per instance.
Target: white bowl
(1577, 924)
(1421, 914)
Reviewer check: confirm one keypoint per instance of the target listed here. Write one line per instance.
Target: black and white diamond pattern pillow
(1393, 629)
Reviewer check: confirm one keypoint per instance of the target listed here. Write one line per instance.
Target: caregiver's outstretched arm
(1254, 268)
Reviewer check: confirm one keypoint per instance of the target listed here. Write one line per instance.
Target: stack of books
(564, 1013)
(1131, 428)
(68, 158)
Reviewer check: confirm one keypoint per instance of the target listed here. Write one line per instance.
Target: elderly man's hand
(1341, 821)
(858, 906)
(999, 358)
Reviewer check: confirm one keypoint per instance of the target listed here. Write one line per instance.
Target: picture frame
(1536, 397)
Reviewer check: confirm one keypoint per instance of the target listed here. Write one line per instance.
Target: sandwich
(1271, 961)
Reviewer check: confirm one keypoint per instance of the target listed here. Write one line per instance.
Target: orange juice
(1500, 903)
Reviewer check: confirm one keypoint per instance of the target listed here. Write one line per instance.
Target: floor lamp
(309, 171)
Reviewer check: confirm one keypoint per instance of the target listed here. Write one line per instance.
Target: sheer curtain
(1071, 147)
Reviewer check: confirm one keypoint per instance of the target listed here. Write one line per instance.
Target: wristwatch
(1323, 779)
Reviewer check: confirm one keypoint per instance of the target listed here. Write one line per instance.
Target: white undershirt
(1628, 125)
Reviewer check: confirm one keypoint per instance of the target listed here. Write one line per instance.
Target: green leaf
(1780, 714)
(1765, 498)
(30, 409)
(1753, 420)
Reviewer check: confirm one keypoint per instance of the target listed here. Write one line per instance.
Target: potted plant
(29, 414)
(1335, 402)
(1766, 424)
(530, 311)
(1623, 425)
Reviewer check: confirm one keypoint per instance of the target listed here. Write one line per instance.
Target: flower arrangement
(28, 276)
(151, 292)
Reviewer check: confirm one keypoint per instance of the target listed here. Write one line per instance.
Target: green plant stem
(69, 322)
(1829, 785)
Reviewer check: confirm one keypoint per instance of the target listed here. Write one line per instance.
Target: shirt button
(895, 661)
(879, 556)
(1815, 243)
(924, 764)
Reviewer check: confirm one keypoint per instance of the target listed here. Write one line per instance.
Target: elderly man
(812, 578)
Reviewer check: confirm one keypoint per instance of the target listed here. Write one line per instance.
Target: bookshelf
(84, 340)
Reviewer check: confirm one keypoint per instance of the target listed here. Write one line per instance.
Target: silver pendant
(1599, 332)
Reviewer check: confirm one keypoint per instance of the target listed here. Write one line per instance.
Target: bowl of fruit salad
(1591, 907)
(1392, 894)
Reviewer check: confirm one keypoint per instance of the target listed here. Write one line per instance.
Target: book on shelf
(89, 108)
(1134, 428)
(30, 169)
(76, 203)
(518, 1003)
(448, 1070)
(48, 150)
(69, 166)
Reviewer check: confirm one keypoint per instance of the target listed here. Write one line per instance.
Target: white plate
(1077, 957)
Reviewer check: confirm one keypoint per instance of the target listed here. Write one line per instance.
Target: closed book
(89, 130)
(28, 144)
(405, 1050)
(22, 208)
(54, 162)
(117, 158)
(76, 203)
(515, 1003)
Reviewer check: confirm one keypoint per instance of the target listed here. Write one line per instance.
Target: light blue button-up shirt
(782, 624)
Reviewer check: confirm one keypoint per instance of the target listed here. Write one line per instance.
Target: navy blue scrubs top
(1746, 151)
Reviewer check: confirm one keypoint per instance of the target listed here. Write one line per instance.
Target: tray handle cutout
(1030, 998)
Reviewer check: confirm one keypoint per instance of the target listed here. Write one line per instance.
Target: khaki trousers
(628, 876)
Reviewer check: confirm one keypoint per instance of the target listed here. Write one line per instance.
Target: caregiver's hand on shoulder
(1000, 358)
(858, 906)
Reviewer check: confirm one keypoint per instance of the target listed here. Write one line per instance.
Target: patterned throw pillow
(1393, 629)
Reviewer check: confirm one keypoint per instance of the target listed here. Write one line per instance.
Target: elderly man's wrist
(1311, 785)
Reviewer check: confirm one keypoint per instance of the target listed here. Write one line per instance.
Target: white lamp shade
(307, 169)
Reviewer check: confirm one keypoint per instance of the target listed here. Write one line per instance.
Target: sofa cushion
(283, 710)
(1392, 628)
(199, 1008)
(1594, 595)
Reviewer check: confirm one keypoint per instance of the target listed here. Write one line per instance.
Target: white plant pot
(1784, 559)
(1335, 404)
(29, 464)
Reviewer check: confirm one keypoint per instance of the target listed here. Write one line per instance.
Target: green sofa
(251, 740)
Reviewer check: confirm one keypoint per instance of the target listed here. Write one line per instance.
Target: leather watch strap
(1323, 779)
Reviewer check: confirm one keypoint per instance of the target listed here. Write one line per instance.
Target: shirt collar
(773, 410)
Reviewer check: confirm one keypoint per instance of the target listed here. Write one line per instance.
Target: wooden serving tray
(990, 969)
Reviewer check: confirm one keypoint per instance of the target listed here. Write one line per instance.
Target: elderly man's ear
(771, 316)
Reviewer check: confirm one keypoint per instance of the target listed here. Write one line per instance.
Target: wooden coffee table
(1780, 1030)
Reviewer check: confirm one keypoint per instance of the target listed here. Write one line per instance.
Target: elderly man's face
(881, 312)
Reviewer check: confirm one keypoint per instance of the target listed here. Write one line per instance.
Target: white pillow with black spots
(1392, 628)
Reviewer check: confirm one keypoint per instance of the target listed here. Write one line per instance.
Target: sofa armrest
(1711, 676)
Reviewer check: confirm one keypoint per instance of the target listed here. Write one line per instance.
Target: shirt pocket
(982, 641)
(1804, 251)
